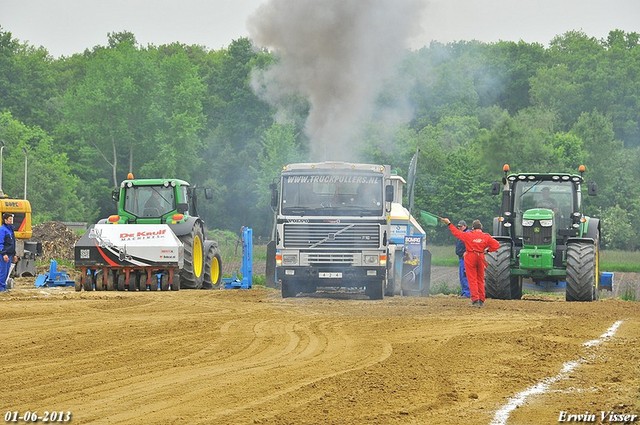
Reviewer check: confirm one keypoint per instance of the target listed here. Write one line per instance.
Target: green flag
(428, 218)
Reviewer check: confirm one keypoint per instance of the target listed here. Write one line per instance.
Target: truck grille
(540, 237)
(335, 236)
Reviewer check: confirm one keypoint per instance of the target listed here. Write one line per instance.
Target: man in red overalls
(477, 243)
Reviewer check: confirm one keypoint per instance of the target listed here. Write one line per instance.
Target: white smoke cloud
(336, 54)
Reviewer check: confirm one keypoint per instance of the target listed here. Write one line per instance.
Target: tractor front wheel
(582, 270)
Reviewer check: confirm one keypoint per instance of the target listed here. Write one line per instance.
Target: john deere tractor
(155, 241)
(544, 236)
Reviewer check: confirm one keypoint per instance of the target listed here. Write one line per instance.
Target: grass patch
(620, 261)
(443, 288)
(443, 255)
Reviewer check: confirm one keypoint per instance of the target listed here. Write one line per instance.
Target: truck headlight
(546, 223)
(527, 223)
(371, 259)
(289, 259)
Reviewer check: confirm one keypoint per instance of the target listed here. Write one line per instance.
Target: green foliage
(185, 111)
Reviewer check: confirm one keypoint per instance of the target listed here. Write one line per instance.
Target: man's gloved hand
(446, 221)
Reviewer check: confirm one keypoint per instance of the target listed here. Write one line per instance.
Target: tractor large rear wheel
(498, 273)
(582, 270)
(192, 273)
(212, 269)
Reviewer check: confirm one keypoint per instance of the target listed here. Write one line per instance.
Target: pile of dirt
(57, 241)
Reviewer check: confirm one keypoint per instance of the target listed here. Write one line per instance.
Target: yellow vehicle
(26, 249)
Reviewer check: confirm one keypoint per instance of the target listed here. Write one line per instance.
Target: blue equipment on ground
(54, 277)
(246, 270)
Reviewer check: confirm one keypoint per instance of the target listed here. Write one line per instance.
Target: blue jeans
(464, 283)
(4, 273)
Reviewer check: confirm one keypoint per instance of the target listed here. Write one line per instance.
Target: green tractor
(544, 236)
(172, 202)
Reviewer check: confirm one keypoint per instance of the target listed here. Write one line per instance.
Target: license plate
(332, 275)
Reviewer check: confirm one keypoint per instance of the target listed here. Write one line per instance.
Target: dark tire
(582, 270)
(88, 281)
(99, 280)
(498, 273)
(132, 282)
(111, 280)
(289, 289)
(175, 286)
(192, 273)
(121, 279)
(142, 282)
(516, 287)
(375, 290)
(164, 282)
(153, 284)
(212, 269)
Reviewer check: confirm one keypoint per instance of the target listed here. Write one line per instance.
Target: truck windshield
(149, 201)
(332, 194)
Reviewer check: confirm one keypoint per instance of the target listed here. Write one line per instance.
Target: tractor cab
(154, 201)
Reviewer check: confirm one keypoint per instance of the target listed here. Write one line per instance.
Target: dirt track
(251, 357)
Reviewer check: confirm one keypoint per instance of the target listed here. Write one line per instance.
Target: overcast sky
(65, 27)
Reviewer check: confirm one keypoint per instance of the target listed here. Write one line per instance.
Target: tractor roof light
(173, 184)
(582, 168)
(575, 225)
(565, 178)
(507, 224)
(165, 184)
(130, 176)
(583, 220)
(129, 184)
(507, 213)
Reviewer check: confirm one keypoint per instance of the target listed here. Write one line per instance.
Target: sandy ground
(251, 357)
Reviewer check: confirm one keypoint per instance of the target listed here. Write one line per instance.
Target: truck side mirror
(388, 193)
(115, 195)
(274, 195)
(495, 188)
(208, 193)
(592, 189)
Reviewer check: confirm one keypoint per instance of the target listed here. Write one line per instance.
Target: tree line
(83, 122)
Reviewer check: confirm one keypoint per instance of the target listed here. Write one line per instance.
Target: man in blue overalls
(7, 249)
(460, 249)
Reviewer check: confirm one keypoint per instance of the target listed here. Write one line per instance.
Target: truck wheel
(375, 290)
(289, 289)
(581, 272)
(498, 273)
(192, 273)
(212, 269)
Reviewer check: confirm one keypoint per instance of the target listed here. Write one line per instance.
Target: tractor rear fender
(184, 228)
